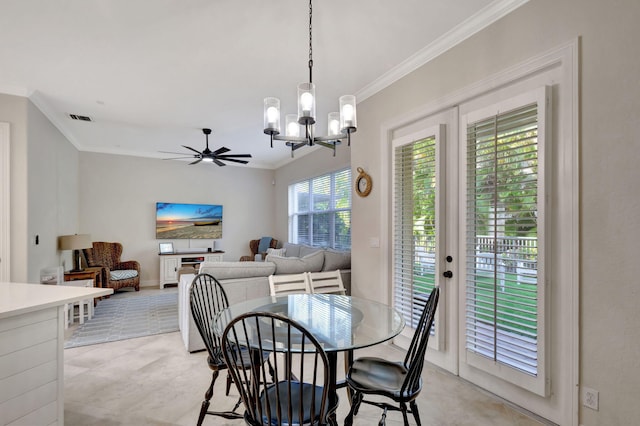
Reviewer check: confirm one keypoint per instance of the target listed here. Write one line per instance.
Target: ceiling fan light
(208, 159)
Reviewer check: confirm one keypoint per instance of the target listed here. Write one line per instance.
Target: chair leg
(229, 381)
(414, 411)
(235, 407)
(271, 370)
(403, 408)
(383, 419)
(207, 398)
(356, 400)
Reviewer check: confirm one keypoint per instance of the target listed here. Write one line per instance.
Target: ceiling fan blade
(178, 158)
(194, 150)
(218, 156)
(234, 155)
(235, 161)
(171, 152)
(221, 150)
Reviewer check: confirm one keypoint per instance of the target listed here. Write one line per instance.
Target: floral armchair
(253, 246)
(116, 274)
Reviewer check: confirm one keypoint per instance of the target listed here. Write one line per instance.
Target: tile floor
(154, 381)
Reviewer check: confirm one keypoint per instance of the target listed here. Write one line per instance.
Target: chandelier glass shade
(299, 128)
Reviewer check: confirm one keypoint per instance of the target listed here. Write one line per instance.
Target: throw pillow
(305, 250)
(293, 250)
(334, 259)
(296, 265)
(276, 252)
(229, 270)
(123, 274)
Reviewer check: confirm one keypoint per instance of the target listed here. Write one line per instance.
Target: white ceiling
(152, 73)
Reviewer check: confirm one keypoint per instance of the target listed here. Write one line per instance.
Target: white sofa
(248, 280)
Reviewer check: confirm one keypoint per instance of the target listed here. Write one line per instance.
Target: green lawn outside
(516, 302)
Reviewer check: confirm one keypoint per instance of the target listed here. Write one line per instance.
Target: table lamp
(75, 242)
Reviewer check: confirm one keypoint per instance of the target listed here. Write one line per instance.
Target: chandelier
(300, 128)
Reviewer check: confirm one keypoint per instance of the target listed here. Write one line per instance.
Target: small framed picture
(166, 248)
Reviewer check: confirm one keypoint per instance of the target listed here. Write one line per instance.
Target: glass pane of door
(417, 237)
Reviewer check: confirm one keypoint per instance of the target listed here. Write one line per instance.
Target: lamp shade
(74, 242)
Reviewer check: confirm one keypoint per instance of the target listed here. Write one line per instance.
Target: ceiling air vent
(80, 117)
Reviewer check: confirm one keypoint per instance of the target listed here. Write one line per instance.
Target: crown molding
(15, 91)
(458, 34)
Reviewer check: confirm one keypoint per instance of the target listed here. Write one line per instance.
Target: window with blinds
(320, 211)
(504, 320)
(414, 242)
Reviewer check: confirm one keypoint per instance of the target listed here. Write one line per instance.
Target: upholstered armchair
(116, 274)
(253, 246)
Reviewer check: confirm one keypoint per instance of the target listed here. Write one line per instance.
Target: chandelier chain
(310, 42)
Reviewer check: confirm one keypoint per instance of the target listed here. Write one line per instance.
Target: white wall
(119, 193)
(52, 194)
(44, 191)
(13, 110)
(610, 230)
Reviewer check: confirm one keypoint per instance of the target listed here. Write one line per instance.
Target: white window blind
(320, 211)
(504, 321)
(414, 224)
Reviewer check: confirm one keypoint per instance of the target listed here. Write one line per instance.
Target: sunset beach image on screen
(186, 221)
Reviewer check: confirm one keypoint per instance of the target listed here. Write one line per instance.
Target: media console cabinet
(170, 264)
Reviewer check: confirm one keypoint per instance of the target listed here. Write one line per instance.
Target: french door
(425, 230)
(467, 218)
(486, 192)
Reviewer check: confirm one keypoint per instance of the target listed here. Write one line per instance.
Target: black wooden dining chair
(207, 298)
(285, 400)
(399, 381)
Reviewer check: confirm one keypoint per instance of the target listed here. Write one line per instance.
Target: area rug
(126, 318)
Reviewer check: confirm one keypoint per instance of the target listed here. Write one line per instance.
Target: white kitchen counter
(19, 298)
(31, 350)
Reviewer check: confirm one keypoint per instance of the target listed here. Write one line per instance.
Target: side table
(91, 273)
(69, 307)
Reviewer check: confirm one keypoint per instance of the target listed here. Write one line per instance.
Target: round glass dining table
(340, 323)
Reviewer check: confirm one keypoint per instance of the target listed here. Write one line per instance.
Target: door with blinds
(494, 183)
(468, 216)
(424, 219)
(503, 298)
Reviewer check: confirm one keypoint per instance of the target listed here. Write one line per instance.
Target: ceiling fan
(206, 155)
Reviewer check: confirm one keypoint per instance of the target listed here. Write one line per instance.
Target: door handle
(447, 274)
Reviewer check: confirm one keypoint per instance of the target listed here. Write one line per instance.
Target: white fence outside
(502, 255)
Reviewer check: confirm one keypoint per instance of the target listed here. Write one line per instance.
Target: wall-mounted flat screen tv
(187, 221)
